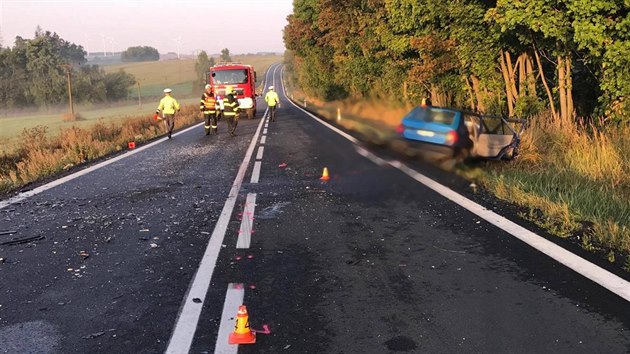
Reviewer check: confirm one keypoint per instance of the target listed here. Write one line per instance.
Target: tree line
(508, 57)
(34, 73)
(140, 53)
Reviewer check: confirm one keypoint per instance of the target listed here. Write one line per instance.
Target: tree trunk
(569, 86)
(552, 105)
(522, 75)
(562, 88)
(531, 78)
(508, 90)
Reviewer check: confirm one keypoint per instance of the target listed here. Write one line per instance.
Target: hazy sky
(243, 26)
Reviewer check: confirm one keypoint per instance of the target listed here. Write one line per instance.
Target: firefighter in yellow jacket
(272, 101)
(231, 110)
(168, 107)
(208, 107)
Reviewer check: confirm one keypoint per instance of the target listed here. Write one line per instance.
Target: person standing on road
(272, 101)
(168, 106)
(208, 107)
(231, 110)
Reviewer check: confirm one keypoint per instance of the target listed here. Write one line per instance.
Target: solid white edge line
(245, 232)
(233, 299)
(263, 140)
(599, 275)
(25, 195)
(606, 279)
(256, 172)
(259, 155)
(188, 318)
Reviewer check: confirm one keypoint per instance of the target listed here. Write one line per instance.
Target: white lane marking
(606, 279)
(187, 320)
(265, 131)
(23, 196)
(593, 272)
(266, 125)
(256, 172)
(377, 160)
(233, 299)
(259, 155)
(263, 140)
(247, 222)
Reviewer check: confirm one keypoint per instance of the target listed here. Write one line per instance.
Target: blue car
(459, 133)
(437, 130)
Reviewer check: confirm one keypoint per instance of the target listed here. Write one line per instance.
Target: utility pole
(69, 76)
(139, 97)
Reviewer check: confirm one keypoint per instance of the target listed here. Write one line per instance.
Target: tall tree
(202, 66)
(225, 55)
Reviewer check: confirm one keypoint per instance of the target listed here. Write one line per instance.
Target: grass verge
(41, 155)
(573, 180)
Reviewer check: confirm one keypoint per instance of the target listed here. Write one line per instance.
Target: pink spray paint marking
(265, 330)
(250, 256)
(253, 287)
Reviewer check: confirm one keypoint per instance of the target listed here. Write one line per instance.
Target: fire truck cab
(242, 79)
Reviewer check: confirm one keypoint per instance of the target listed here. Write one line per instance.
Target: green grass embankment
(571, 180)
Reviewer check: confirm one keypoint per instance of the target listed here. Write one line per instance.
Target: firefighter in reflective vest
(231, 110)
(208, 106)
(168, 107)
(272, 101)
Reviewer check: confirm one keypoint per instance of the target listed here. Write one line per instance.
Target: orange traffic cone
(242, 334)
(325, 176)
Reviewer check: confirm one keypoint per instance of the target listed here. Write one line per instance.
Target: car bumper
(423, 149)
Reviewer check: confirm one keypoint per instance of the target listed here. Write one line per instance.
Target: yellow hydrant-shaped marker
(242, 333)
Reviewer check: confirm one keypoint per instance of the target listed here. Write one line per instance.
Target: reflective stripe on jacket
(208, 103)
(230, 106)
(168, 105)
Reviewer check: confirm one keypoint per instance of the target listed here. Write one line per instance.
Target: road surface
(154, 250)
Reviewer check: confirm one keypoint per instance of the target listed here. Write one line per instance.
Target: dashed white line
(259, 155)
(188, 318)
(233, 299)
(263, 140)
(256, 172)
(265, 131)
(247, 222)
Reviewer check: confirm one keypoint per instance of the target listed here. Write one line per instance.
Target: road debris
(7, 232)
(20, 241)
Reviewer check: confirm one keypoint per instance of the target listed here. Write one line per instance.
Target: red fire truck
(242, 79)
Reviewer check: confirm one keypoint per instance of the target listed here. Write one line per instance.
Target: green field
(179, 75)
(153, 77)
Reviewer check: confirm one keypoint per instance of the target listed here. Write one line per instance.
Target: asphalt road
(370, 261)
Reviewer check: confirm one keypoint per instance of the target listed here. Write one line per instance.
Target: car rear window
(432, 115)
